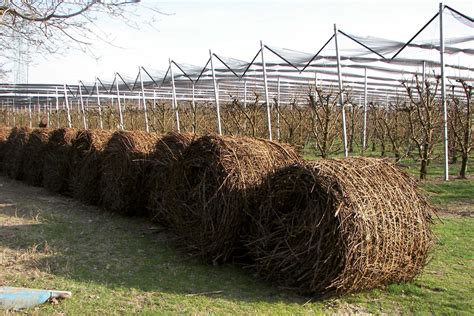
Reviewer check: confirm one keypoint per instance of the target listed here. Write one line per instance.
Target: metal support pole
(341, 96)
(423, 76)
(364, 135)
(443, 93)
(144, 101)
(216, 96)
(174, 104)
(121, 125)
(267, 101)
(316, 81)
(57, 107)
(193, 104)
(154, 99)
(83, 112)
(29, 113)
(99, 107)
(69, 122)
(278, 110)
(245, 94)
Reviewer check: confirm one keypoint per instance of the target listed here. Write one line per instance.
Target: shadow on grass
(89, 245)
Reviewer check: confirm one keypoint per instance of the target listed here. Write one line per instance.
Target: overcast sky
(234, 29)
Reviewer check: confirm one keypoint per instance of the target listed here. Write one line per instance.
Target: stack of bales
(33, 156)
(87, 149)
(339, 226)
(57, 163)
(168, 150)
(206, 201)
(12, 159)
(126, 164)
(4, 132)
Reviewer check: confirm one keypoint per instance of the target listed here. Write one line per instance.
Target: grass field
(116, 265)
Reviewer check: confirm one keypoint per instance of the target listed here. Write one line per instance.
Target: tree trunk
(462, 172)
(423, 169)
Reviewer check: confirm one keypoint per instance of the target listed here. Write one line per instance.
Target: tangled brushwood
(206, 200)
(125, 166)
(4, 132)
(57, 163)
(12, 162)
(340, 226)
(168, 150)
(33, 156)
(87, 151)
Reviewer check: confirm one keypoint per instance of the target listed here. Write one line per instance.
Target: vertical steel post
(29, 114)
(364, 135)
(144, 101)
(121, 125)
(154, 99)
(174, 103)
(216, 95)
(193, 104)
(99, 107)
(278, 109)
(341, 96)
(69, 122)
(57, 107)
(83, 112)
(265, 84)
(245, 94)
(443, 93)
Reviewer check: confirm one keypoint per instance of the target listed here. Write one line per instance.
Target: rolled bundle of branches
(4, 132)
(57, 163)
(338, 226)
(125, 167)
(206, 200)
(168, 150)
(33, 156)
(87, 149)
(12, 161)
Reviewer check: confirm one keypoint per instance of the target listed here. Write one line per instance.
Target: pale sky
(233, 29)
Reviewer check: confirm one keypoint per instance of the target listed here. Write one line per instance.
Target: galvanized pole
(144, 101)
(423, 76)
(193, 104)
(245, 94)
(443, 94)
(174, 103)
(99, 107)
(278, 109)
(121, 125)
(57, 107)
(267, 101)
(29, 113)
(154, 99)
(84, 121)
(341, 96)
(216, 96)
(69, 122)
(364, 136)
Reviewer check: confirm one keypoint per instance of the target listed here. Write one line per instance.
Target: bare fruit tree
(424, 118)
(461, 117)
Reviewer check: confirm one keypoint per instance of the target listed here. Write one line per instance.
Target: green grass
(455, 191)
(116, 265)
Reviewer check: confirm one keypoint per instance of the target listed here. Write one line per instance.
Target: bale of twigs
(168, 150)
(206, 200)
(338, 226)
(57, 163)
(12, 159)
(4, 132)
(33, 156)
(125, 168)
(87, 149)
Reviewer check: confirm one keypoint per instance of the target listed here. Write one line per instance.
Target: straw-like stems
(57, 163)
(340, 226)
(87, 150)
(125, 167)
(206, 201)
